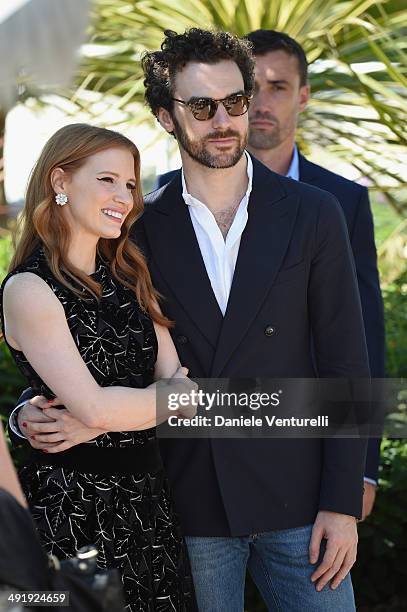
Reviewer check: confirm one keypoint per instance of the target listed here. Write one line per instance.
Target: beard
(265, 139)
(198, 149)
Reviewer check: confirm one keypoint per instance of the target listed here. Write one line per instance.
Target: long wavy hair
(41, 222)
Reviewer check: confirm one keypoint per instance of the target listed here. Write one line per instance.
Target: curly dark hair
(264, 41)
(194, 45)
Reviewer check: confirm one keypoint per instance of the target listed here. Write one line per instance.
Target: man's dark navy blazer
(354, 201)
(294, 273)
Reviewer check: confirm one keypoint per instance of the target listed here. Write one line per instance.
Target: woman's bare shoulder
(27, 286)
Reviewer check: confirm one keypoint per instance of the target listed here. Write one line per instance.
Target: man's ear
(165, 120)
(305, 91)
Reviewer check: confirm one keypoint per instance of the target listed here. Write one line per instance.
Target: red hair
(40, 221)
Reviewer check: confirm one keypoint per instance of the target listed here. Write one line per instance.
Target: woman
(81, 319)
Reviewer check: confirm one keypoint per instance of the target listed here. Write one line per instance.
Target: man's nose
(261, 102)
(221, 118)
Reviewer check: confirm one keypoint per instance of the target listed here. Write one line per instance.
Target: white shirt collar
(191, 201)
(294, 169)
(218, 253)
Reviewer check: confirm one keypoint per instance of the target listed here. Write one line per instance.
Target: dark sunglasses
(205, 108)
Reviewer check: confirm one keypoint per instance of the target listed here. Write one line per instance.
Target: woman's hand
(68, 431)
(53, 430)
(32, 413)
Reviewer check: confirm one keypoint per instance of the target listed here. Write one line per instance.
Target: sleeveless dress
(112, 491)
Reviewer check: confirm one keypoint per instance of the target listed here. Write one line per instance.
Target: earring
(61, 199)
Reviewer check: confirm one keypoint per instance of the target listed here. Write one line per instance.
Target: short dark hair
(264, 41)
(194, 45)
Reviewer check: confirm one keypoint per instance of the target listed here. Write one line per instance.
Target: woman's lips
(116, 219)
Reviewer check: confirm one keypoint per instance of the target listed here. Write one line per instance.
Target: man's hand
(181, 384)
(342, 539)
(50, 429)
(369, 497)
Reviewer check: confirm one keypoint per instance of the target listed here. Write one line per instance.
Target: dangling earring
(61, 199)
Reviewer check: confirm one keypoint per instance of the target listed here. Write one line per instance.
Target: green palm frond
(391, 254)
(356, 50)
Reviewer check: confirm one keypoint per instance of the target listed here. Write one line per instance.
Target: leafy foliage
(381, 570)
(395, 299)
(356, 51)
(10, 378)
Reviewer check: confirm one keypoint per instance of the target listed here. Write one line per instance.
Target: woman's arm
(167, 362)
(35, 323)
(8, 476)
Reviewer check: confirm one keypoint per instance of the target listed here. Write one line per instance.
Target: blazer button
(269, 330)
(182, 340)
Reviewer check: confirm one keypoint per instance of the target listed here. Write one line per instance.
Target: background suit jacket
(354, 200)
(295, 274)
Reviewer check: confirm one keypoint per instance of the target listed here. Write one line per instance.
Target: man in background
(281, 93)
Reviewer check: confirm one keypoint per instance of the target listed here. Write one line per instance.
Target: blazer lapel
(272, 214)
(175, 250)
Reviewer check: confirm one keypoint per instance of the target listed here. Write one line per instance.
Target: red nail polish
(44, 450)
(24, 424)
(50, 401)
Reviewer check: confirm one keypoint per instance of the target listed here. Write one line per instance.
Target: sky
(27, 132)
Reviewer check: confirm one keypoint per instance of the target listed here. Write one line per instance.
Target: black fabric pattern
(129, 517)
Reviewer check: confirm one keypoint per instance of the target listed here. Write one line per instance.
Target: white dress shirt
(219, 255)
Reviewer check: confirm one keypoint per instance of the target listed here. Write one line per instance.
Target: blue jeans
(278, 562)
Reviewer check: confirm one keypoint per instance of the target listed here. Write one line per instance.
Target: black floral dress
(112, 491)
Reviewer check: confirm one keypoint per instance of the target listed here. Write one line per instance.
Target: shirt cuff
(370, 481)
(13, 423)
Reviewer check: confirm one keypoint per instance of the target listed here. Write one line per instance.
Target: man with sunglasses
(280, 94)
(249, 264)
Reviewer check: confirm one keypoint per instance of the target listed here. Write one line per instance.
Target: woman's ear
(59, 180)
